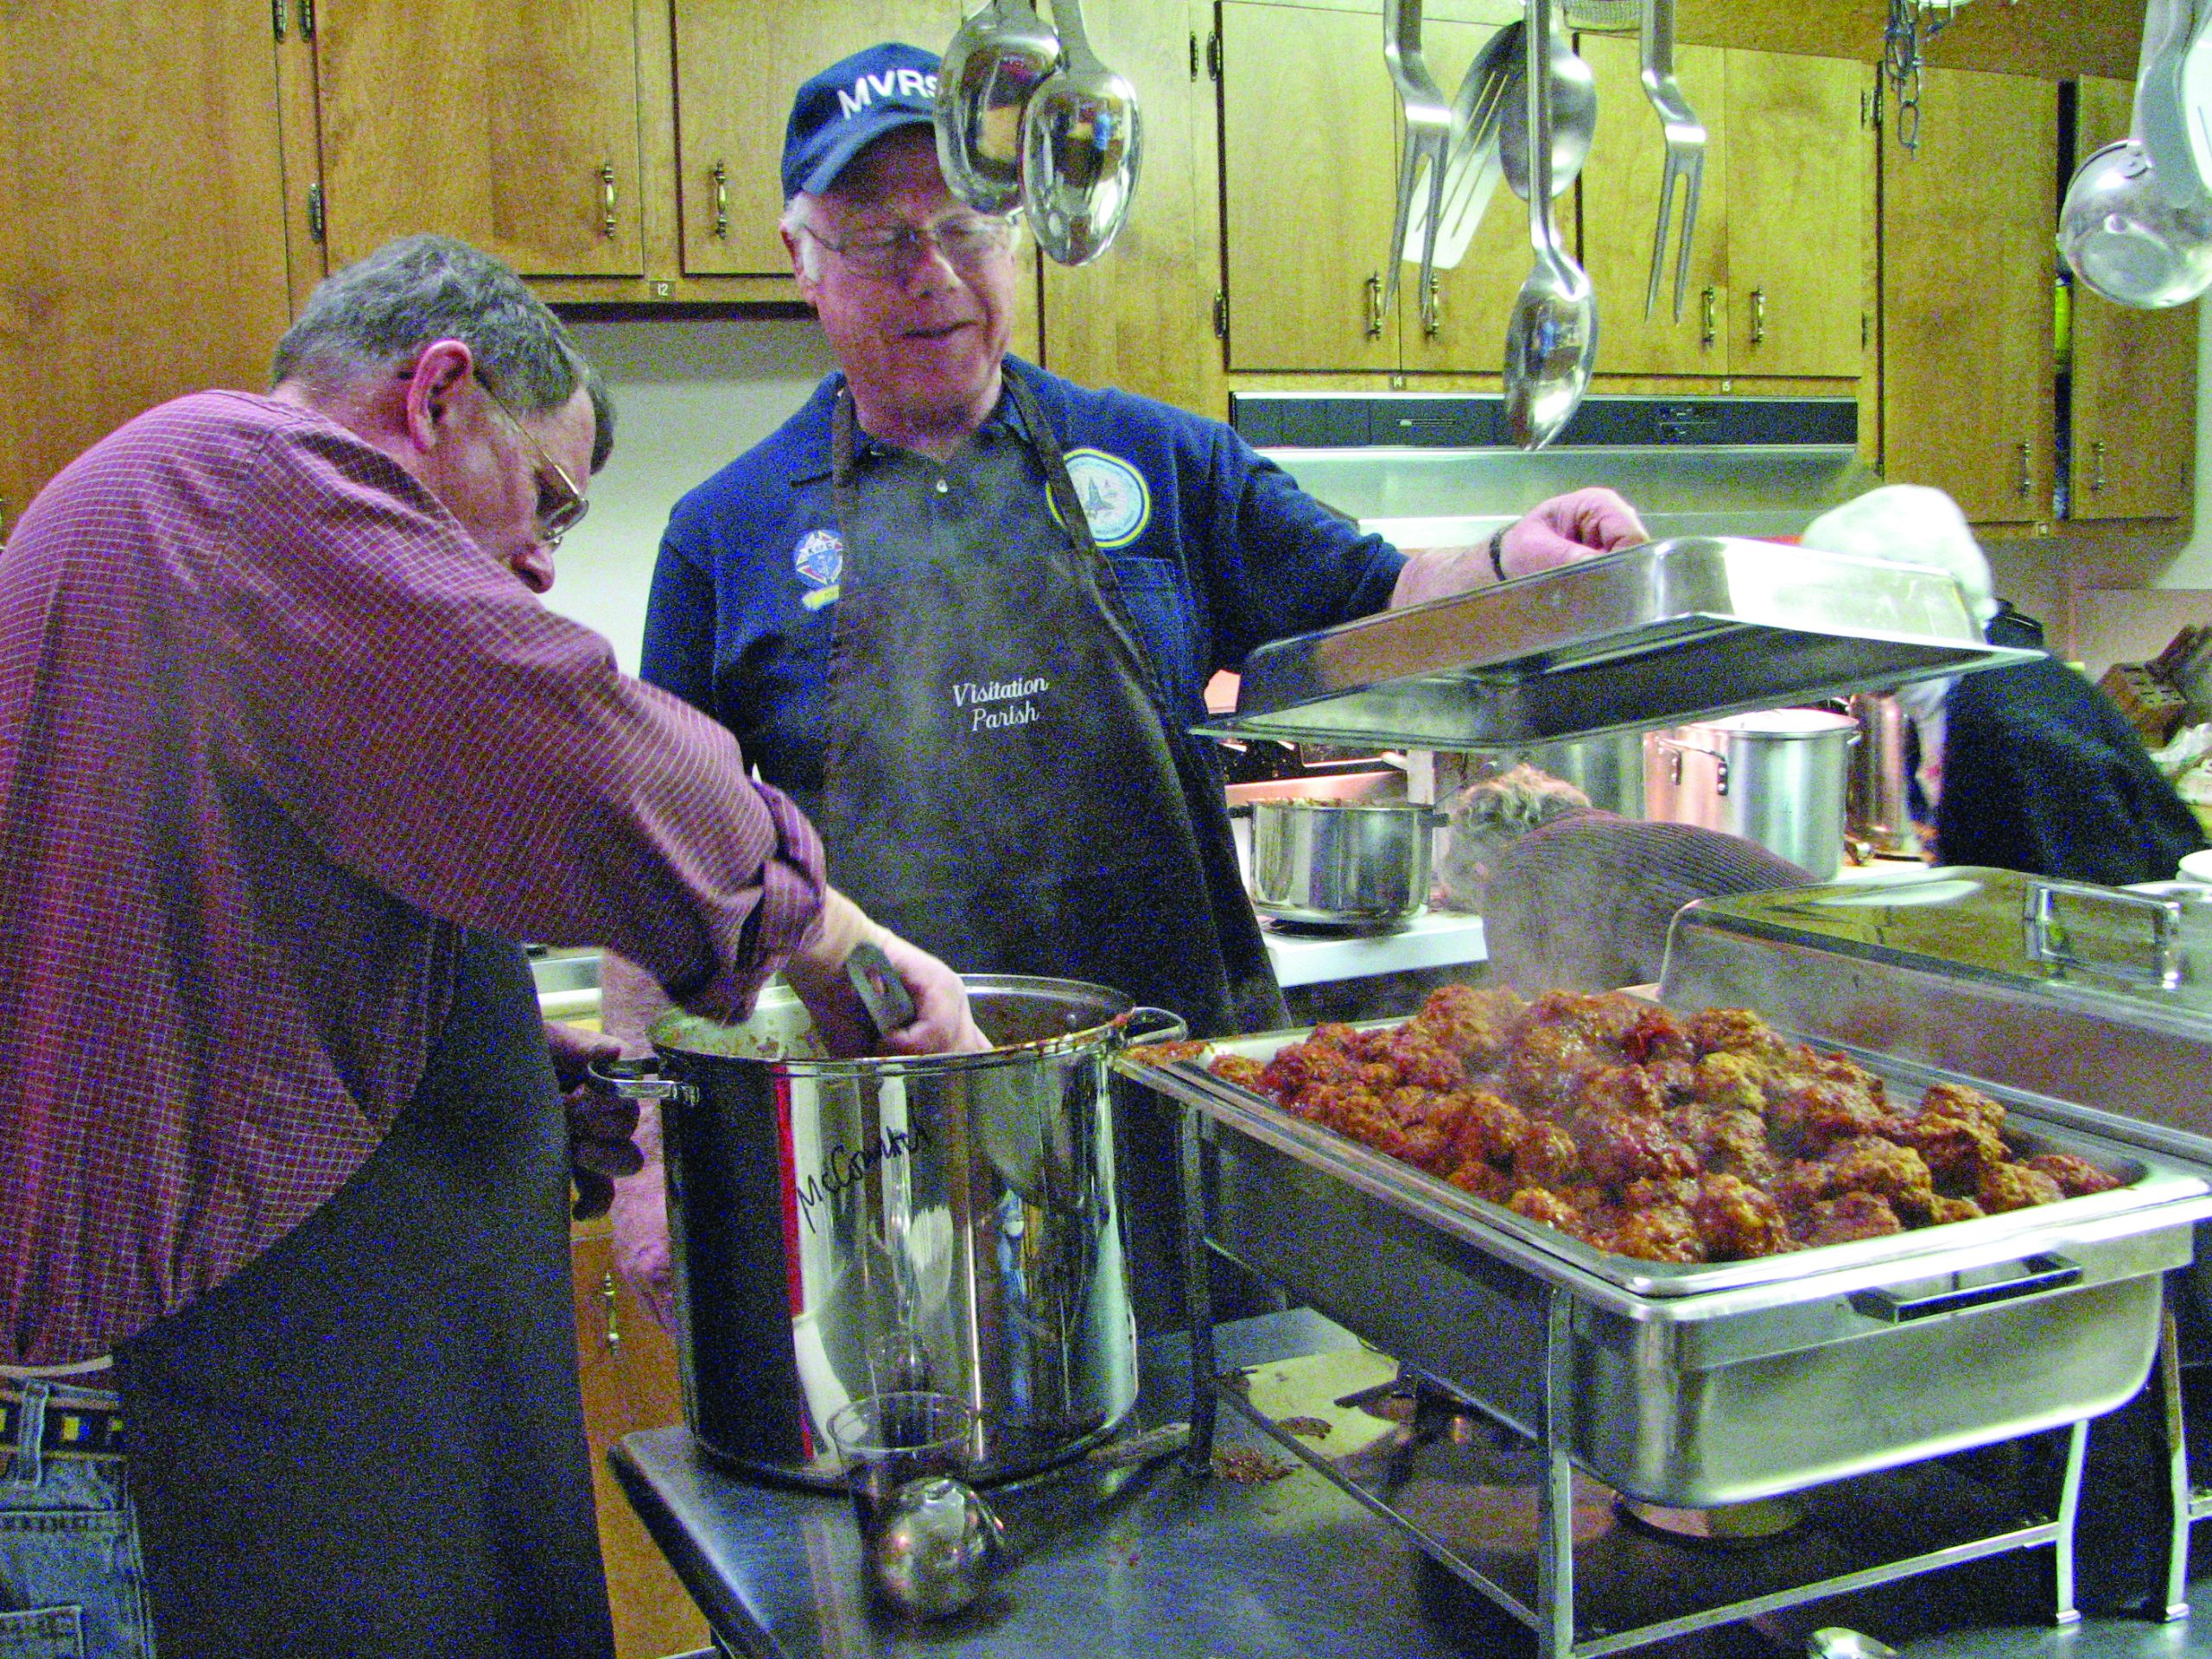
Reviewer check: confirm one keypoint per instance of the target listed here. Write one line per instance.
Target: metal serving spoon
(1551, 342)
(938, 1549)
(994, 65)
(1575, 120)
(1081, 145)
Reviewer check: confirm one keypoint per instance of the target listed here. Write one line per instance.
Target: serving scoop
(1081, 145)
(994, 65)
(1551, 340)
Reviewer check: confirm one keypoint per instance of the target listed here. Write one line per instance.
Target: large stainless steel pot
(1777, 778)
(1878, 809)
(1360, 862)
(840, 1227)
(1608, 768)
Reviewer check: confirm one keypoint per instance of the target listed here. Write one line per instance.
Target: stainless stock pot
(842, 1227)
(1777, 777)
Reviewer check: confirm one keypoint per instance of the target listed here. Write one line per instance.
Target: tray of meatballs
(1719, 1262)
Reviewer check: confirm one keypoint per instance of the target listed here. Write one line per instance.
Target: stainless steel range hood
(1436, 470)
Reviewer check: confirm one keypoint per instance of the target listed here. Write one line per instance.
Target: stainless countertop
(1151, 1562)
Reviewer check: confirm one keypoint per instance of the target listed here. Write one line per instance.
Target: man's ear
(805, 277)
(443, 370)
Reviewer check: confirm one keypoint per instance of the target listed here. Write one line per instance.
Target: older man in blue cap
(964, 610)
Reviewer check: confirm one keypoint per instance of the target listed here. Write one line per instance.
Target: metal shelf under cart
(1543, 1542)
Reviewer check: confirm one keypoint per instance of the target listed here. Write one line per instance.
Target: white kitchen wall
(689, 394)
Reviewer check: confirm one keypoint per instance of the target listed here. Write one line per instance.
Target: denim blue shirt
(1216, 550)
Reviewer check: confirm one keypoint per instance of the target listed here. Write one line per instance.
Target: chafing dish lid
(2136, 955)
(1651, 636)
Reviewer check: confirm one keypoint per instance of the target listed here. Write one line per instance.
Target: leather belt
(70, 1431)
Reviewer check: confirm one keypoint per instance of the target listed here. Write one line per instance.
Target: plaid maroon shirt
(273, 730)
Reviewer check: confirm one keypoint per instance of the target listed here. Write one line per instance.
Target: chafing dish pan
(1705, 1385)
(1651, 636)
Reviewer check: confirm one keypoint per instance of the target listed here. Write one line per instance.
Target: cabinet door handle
(1432, 307)
(1375, 307)
(1759, 317)
(2027, 473)
(2097, 467)
(607, 198)
(607, 1307)
(722, 200)
(1709, 317)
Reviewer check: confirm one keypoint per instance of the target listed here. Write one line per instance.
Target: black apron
(1002, 785)
(370, 1440)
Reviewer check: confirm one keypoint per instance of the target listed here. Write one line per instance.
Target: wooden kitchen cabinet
(143, 234)
(628, 1368)
(513, 124)
(1310, 139)
(2133, 385)
(1778, 263)
(738, 63)
(1141, 317)
(1967, 265)
(1309, 177)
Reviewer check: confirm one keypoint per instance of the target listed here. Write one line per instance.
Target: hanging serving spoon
(993, 66)
(1575, 118)
(1551, 341)
(1081, 145)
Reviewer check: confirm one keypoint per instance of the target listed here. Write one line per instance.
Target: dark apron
(1002, 788)
(370, 1440)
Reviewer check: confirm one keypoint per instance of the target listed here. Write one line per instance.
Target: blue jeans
(73, 1584)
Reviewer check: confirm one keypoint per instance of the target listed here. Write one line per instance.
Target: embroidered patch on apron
(819, 558)
(1116, 498)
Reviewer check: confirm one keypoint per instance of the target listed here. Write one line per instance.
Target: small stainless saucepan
(1360, 863)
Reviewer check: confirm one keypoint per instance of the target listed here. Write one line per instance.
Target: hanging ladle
(992, 69)
(1551, 341)
(1081, 144)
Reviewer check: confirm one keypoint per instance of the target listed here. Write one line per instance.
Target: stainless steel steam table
(1150, 1562)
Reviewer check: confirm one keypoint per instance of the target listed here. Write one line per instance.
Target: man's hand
(1580, 525)
(602, 1126)
(1564, 529)
(942, 1023)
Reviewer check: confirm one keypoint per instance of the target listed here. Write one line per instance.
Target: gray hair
(1492, 815)
(419, 288)
(798, 215)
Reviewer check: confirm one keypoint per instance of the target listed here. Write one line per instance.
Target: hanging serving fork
(1685, 148)
(1428, 143)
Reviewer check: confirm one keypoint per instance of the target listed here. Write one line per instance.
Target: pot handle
(1676, 747)
(1160, 1026)
(638, 1080)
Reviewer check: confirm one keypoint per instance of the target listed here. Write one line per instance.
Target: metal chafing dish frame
(1648, 636)
(1449, 1252)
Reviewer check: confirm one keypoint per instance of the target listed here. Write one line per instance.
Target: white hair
(798, 214)
(1909, 524)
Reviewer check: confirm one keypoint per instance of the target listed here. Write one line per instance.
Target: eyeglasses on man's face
(561, 504)
(966, 240)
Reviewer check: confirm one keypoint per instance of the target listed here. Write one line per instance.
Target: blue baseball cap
(851, 104)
